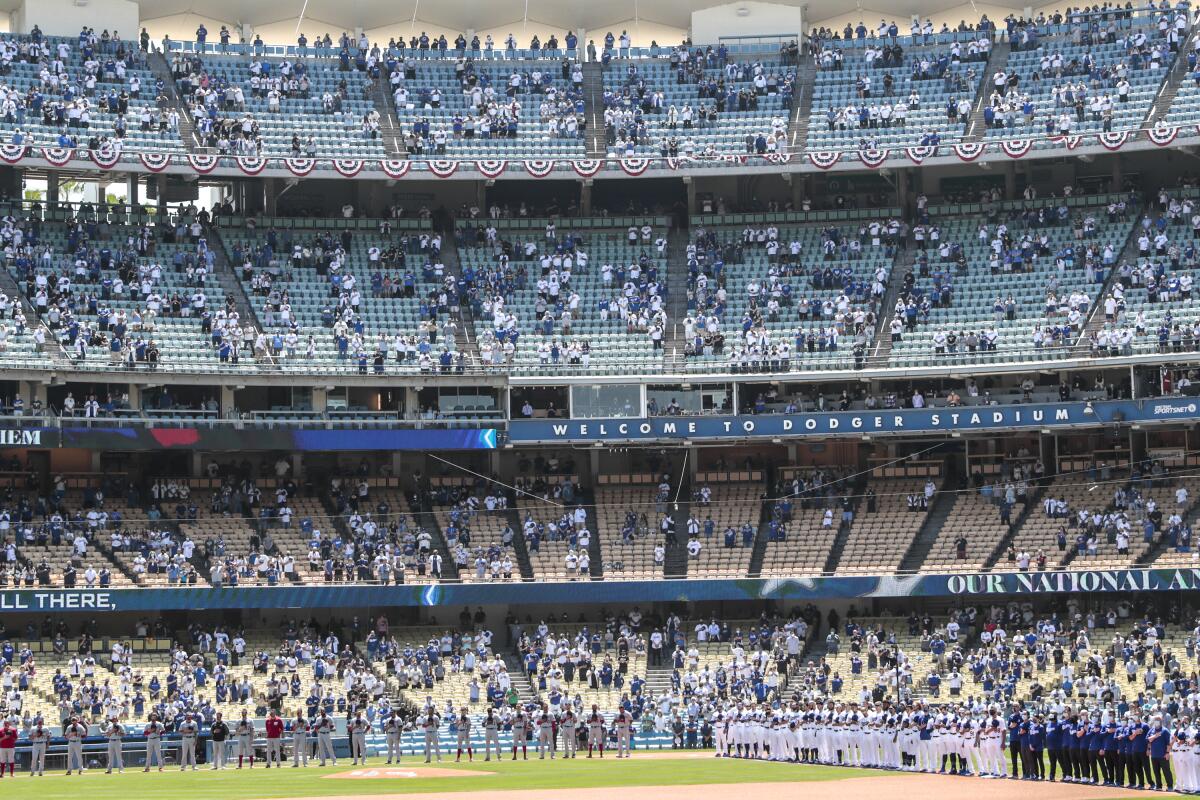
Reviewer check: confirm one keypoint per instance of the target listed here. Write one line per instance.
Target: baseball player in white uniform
(115, 732)
(595, 724)
(623, 723)
(520, 735)
(431, 726)
(188, 730)
(245, 739)
(300, 730)
(464, 736)
(74, 734)
(359, 728)
(154, 732)
(39, 737)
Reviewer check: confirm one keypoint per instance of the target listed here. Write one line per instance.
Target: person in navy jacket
(1138, 762)
(1014, 742)
(1036, 743)
(1109, 753)
(1053, 740)
(1158, 743)
(1066, 738)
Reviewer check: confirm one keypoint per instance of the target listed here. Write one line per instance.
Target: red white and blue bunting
(873, 158)
(491, 167)
(1113, 140)
(58, 156)
(109, 157)
(1015, 148)
(300, 166)
(443, 167)
(635, 166)
(1162, 134)
(823, 159)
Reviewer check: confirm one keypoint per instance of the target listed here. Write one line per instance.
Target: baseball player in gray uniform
(431, 725)
(245, 739)
(545, 734)
(153, 732)
(623, 725)
(491, 735)
(359, 728)
(392, 730)
(596, 732)
(115, 732)
(39, 737)
(299, 740)
(520, 734)
(324, 727)
(568, 726)
(464, 736)
(74, 734)
(188, 730)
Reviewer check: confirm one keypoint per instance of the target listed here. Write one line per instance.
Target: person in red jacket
(274, 740)
(8, 749)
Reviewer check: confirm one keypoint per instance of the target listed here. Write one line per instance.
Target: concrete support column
(135, 395)
(594, 463)
(270, 193)
(133, 189)
(196, 468)
(1010, 181)
(412, 404)
(319, 398)
(160, 192)
(297, 465)
(1118, 175)
(228, 402)
(52, 190)
(691, 195)
(902, 190)
(585, 197)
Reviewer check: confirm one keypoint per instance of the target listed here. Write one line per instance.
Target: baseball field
(663, 776)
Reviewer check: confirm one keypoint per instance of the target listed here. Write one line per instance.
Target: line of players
(1089, 746)
(547, 730)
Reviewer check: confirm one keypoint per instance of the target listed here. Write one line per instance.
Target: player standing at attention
(8, 748)
(464, 736)
(595, 732)
(40, 738)
(359, 728)
(154, 732)
(299, 740)
(74, 734)
(491, 735)
(392, 729)
(274, 726)
(188, 730)
(245, 739)
(520, 734)
(115, 732)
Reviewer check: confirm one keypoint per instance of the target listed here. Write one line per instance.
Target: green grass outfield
(271, 783)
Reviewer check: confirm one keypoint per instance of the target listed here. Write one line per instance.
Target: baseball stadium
(549, 400)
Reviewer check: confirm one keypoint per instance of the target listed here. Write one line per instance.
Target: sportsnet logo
(1164, 409)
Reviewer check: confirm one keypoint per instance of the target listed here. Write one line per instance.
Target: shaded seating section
(1028, 295)
(795, 295)
(734, 501)
(628, 515)
(570, 295)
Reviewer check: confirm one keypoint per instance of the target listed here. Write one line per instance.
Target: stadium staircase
(901, 263)
(1095, 321)
(595, 551)
(834, 559)
(428, 521)
(53, 347)
(465, 341)
(1166, 93)
(391, 134)
(674, 343)
(806, 79)
(760, 541)
(157, 62)
(519, 678)
(935, 518)
(997, 60)
(1033, 504)
(224, 271)
(519, 548)
(116, 565)
(675, 560)
(593, 109)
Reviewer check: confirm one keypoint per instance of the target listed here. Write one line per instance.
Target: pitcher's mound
(384, 773)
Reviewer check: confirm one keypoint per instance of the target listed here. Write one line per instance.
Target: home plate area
(377, 773)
